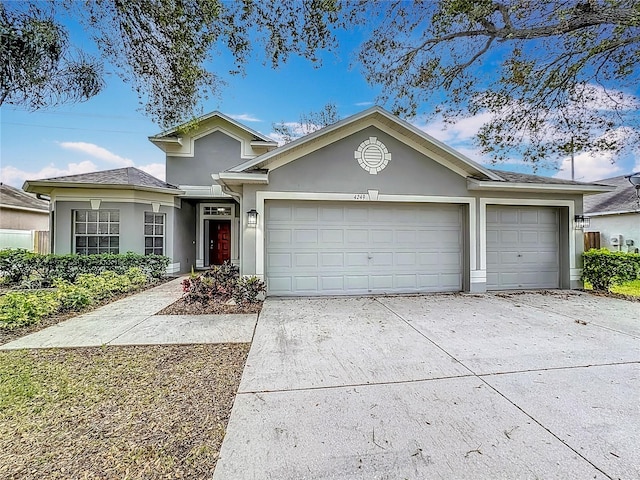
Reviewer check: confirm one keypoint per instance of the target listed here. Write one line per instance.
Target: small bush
(248, 289)
(604, 269)
(19, 309)
(222, 283)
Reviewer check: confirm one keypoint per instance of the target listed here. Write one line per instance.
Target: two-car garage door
(325, 248)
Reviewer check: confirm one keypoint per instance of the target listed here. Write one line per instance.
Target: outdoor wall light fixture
(634, 179)
(581, 222)
(252, 218)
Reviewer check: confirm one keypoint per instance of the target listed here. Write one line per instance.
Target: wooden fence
(591, 240)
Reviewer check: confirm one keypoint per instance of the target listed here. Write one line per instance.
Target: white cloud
(16, 177)
(245, 117)
(98, 152)
(155, 169)
(363, 104)
(590, 167)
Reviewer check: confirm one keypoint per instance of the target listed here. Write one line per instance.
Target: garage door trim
(369, 196)
(575, 273)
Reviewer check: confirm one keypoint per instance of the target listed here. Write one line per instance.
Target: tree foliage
(169, 49)
(551, 73)
(308, 123)
(37, 66)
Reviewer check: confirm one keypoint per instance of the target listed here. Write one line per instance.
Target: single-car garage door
(522, 247)
(346, 248)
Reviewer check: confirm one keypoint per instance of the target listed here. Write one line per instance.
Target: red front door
(219, 242)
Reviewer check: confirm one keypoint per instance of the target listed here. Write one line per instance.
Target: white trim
(95, 203)
(234, 178)
(526, 202)
(478, 276)
(200, 240)
(140, 201)
(604, 214)
(473, 184)
(199, 191)
(575, 274)
(186, 147)
(173, 267)
(262, 196)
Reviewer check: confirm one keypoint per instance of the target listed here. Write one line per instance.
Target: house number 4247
(360, 196)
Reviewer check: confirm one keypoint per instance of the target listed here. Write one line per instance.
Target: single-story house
(615, 215)
(22, 215)
(370, 204)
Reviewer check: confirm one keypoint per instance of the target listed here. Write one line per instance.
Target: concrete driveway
(439, 386)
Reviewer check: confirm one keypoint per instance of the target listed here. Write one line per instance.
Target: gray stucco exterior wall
(184, 236)
(213, 153)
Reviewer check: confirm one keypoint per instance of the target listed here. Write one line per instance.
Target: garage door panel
(279, 236)
(522, 247)
(360, 248)
(355, 237)
(305, 260)
(332, 259)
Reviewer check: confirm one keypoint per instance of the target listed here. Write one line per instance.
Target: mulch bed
(135, 412)
(181, 307)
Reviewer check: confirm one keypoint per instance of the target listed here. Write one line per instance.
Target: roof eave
(241, 178)
(473, 184)
(605, 213)
(24, 209)
(46, 188)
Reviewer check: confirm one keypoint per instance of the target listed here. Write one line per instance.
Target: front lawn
(631, 289)
(116, 412)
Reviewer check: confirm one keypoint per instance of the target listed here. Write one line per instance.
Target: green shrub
(19, 267)
(73, 297)
(18, 309)
(604, 269)
(247, 290)
(222, 283)
(26, 308)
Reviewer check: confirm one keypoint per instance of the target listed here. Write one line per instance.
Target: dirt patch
(116, 412)
(181, 307)
(621, 296)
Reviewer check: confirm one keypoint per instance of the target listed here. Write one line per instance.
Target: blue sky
(108, 131)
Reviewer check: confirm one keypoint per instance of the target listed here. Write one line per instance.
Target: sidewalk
(133, 321)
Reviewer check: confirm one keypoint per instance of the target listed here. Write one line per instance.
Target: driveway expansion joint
(548, 369)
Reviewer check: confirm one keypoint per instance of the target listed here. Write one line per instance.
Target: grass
(116, 412)
(629, 288)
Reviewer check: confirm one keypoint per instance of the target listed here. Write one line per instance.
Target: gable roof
(14, 198)
(378, 117)
(622, 199)
(128, 177)
(172, 132)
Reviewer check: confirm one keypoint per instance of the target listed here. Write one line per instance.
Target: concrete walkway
(439, 386)
(133, 321)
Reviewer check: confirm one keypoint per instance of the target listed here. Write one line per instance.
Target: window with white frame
(153, 233)
(96, 231)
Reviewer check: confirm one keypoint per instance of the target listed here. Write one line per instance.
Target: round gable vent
(372, 155)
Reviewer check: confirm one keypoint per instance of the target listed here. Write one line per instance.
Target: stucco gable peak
(378, 117)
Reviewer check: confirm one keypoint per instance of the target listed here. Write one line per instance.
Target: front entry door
(219, 242)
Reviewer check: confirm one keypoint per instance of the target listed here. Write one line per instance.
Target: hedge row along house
(370, 204)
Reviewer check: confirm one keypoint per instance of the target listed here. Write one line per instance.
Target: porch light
(581, 222)
(252, 218)
(634, 179)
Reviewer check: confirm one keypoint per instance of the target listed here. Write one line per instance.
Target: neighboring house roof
(129, 177)
(378, 117)
(622, 199)
(16, 199)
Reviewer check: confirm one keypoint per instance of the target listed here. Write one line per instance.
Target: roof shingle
(120, 176)
(15, 197)
(622, 199)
